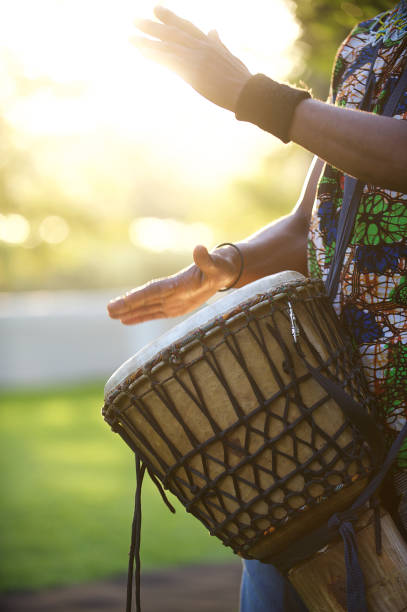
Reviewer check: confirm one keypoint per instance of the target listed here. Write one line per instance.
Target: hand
(201, 60)
(180, 293)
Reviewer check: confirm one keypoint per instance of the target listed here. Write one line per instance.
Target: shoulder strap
(352, 193)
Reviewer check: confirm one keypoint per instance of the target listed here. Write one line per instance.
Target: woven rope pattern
(281, 451)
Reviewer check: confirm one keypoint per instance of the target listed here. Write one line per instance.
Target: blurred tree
(263, 196)
(97, 250)
(325, 24)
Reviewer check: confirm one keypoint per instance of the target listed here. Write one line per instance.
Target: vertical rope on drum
(134, 553)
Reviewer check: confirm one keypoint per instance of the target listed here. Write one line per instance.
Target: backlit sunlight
(72, 71)
(160, 235)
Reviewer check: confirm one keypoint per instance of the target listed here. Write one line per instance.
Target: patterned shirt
(372, 295)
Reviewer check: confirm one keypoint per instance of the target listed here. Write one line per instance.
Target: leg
(264, 589)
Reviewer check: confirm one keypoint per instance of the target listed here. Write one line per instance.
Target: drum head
(204, 316)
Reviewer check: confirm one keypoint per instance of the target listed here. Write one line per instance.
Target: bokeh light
(159, 235)
(14, 228)
(53, 229)
(79, 75)
(107, 154)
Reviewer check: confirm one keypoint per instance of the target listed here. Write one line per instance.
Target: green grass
(67, 486)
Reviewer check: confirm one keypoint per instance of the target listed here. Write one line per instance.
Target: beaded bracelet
(241, 264)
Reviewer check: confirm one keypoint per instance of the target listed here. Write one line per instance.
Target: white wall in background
(57, 337)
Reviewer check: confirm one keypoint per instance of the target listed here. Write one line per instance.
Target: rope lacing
(134, 553)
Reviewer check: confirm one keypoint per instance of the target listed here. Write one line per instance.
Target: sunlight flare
(159, 235)
(53, 229)
(72, 70)
(14, 228)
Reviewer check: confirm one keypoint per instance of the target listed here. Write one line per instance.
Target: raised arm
(365, 145)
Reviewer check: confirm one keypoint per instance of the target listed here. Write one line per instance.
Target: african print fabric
(372, 295)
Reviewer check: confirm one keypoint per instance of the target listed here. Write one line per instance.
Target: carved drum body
(223, 411)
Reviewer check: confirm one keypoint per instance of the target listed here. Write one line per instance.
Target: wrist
(238, 86)
(269, 104)
(233, 255)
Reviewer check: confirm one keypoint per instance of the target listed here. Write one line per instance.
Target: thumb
(203, 260)
(214, 37)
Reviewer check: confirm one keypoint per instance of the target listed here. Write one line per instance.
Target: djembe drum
(224, 411)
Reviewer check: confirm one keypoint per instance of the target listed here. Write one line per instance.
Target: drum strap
(353, 411)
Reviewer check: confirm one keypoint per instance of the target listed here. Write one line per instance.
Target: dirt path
(200, 588)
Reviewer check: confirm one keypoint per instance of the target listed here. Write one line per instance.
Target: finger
(160, 52)
(147, 295)
(172, 19)
(163, 52)
(125, 307)
(156, 311)
(165, 33)
(203, 260)
(142, 318)
(213, 35)
(118, 307)
(144, 311)
(168, 55)
(146, 44)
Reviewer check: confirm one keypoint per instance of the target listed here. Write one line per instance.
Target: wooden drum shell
(321, 580)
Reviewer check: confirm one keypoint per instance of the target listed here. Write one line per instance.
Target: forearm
(282, 245)
(279, 246)
(364, 145)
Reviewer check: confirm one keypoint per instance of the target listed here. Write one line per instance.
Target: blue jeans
(264, 589)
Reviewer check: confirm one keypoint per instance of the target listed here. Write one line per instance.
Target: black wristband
(241, 264)
(269, 104)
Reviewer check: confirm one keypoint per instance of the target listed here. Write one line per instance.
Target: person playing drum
(372, 295)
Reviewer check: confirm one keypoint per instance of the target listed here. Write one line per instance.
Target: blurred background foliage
(325, 24)
(89, 200)
(50, 238)
(67, 499)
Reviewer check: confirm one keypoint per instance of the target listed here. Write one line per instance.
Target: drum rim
(231, 307)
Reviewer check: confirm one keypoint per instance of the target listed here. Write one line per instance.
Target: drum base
(321, 580)
(273, 544)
